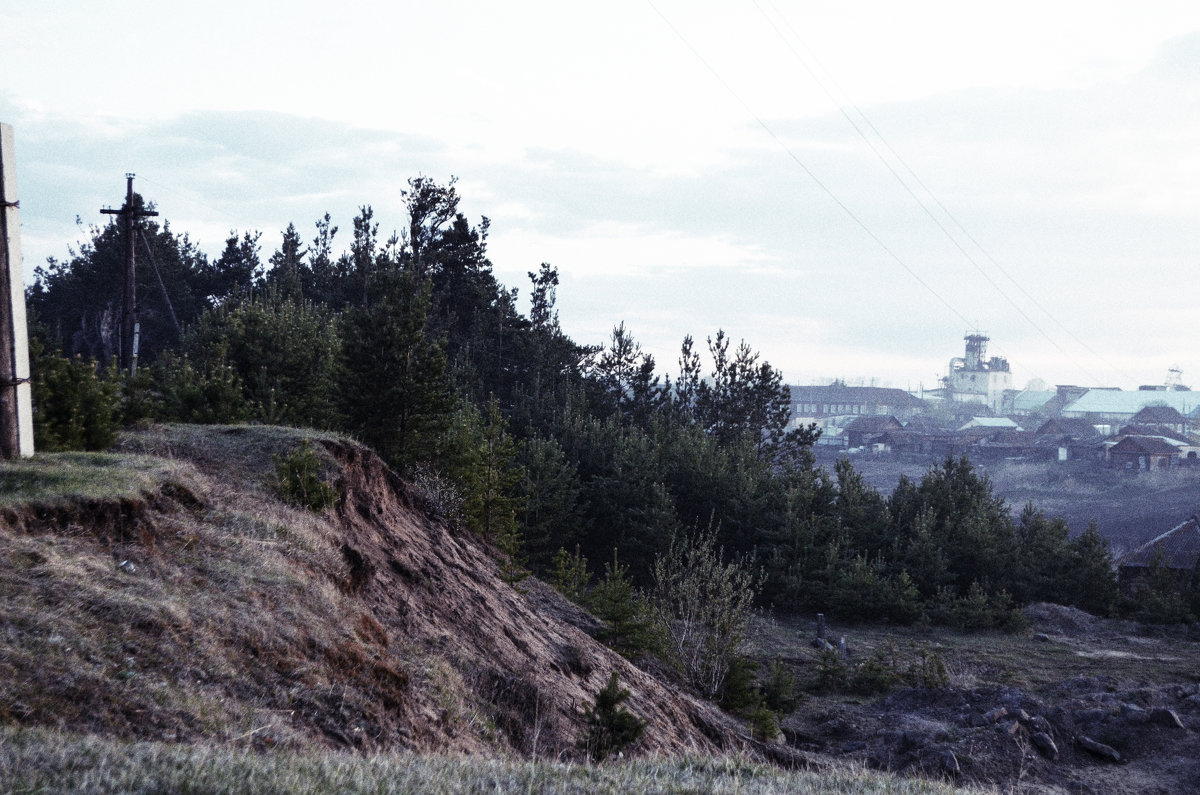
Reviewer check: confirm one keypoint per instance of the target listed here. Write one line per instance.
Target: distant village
(977, 412)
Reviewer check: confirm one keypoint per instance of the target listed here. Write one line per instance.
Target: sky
(848, 187)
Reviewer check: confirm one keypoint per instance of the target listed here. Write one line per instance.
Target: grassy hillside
(171, 623)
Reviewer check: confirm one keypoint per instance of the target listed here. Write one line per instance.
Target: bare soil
(1073, 677)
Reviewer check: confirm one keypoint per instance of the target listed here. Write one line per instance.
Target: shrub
(299, 481)
(887, 668)
(609, 728)
(570, 575)
(779, 690)
(705, 604)
(631, 626)
(74, 406)
(437, 496)
(977, 610)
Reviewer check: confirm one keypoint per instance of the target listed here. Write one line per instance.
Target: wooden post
(130, 216)
(16, 407)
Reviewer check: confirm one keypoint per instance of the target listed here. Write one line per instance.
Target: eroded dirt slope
(207, 610)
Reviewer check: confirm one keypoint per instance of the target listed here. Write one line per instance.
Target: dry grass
(215, 617)
(55, 479)
(45, 761)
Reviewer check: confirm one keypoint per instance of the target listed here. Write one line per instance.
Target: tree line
(544, 445)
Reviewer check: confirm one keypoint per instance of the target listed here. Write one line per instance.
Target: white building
(974, 378)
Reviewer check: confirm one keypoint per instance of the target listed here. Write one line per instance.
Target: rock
(1165, 717)
(1042, 637)
(1098, 749)
(1093, 715)
(1011, 729)
(993, 715)
(1044, 744)
(1133, 713)
(1042, 725)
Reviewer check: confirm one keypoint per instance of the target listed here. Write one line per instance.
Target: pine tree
(395, 392)
(609, 728)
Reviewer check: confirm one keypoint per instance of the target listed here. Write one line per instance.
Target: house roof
(1030, 400)
(994, 423)
(1148, 430)
(1178, 548)
(874, 423)
(1149, 445)
(867, 395)
(1074, 427)
(1150, 415)
(1116, 401)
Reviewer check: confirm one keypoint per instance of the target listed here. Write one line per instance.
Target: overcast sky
(849, 187)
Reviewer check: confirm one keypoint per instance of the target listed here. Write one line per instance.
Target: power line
(948, 214)
(811, 175)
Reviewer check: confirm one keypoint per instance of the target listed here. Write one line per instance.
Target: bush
(75, 407)
(977, 610)
(299, 481)
(570, 575)
(631, 626)
(211, 395)
(609, 727)
(887, 668)
(705, 605)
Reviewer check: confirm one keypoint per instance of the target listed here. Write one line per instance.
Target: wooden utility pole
(16, 408)
(130, 215)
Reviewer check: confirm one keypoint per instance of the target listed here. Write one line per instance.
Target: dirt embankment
(210, 611)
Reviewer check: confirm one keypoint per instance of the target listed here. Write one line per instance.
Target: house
(814, 403)
(1143, 453)
(1118, 407)
(1177, 550)
(1162, 418)
(865, 430)
(1068, 439)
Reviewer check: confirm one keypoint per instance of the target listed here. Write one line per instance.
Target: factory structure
(975, 410)
(974, 378)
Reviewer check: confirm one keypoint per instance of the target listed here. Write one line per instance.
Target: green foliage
(550, 494)
(609, 727)
(394, 390)
(212, 395)
(482, 456)
(780, 690)
(705, 604)
(1165, 596)
(284, 353)
(886, 668)
(298, 479)
(977, 610)
(569, 574)
(75, 407)
(79, 299)
(631, 626)
(1089, 580)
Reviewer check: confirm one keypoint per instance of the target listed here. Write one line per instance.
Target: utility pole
(129, 309)
(16, 408)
